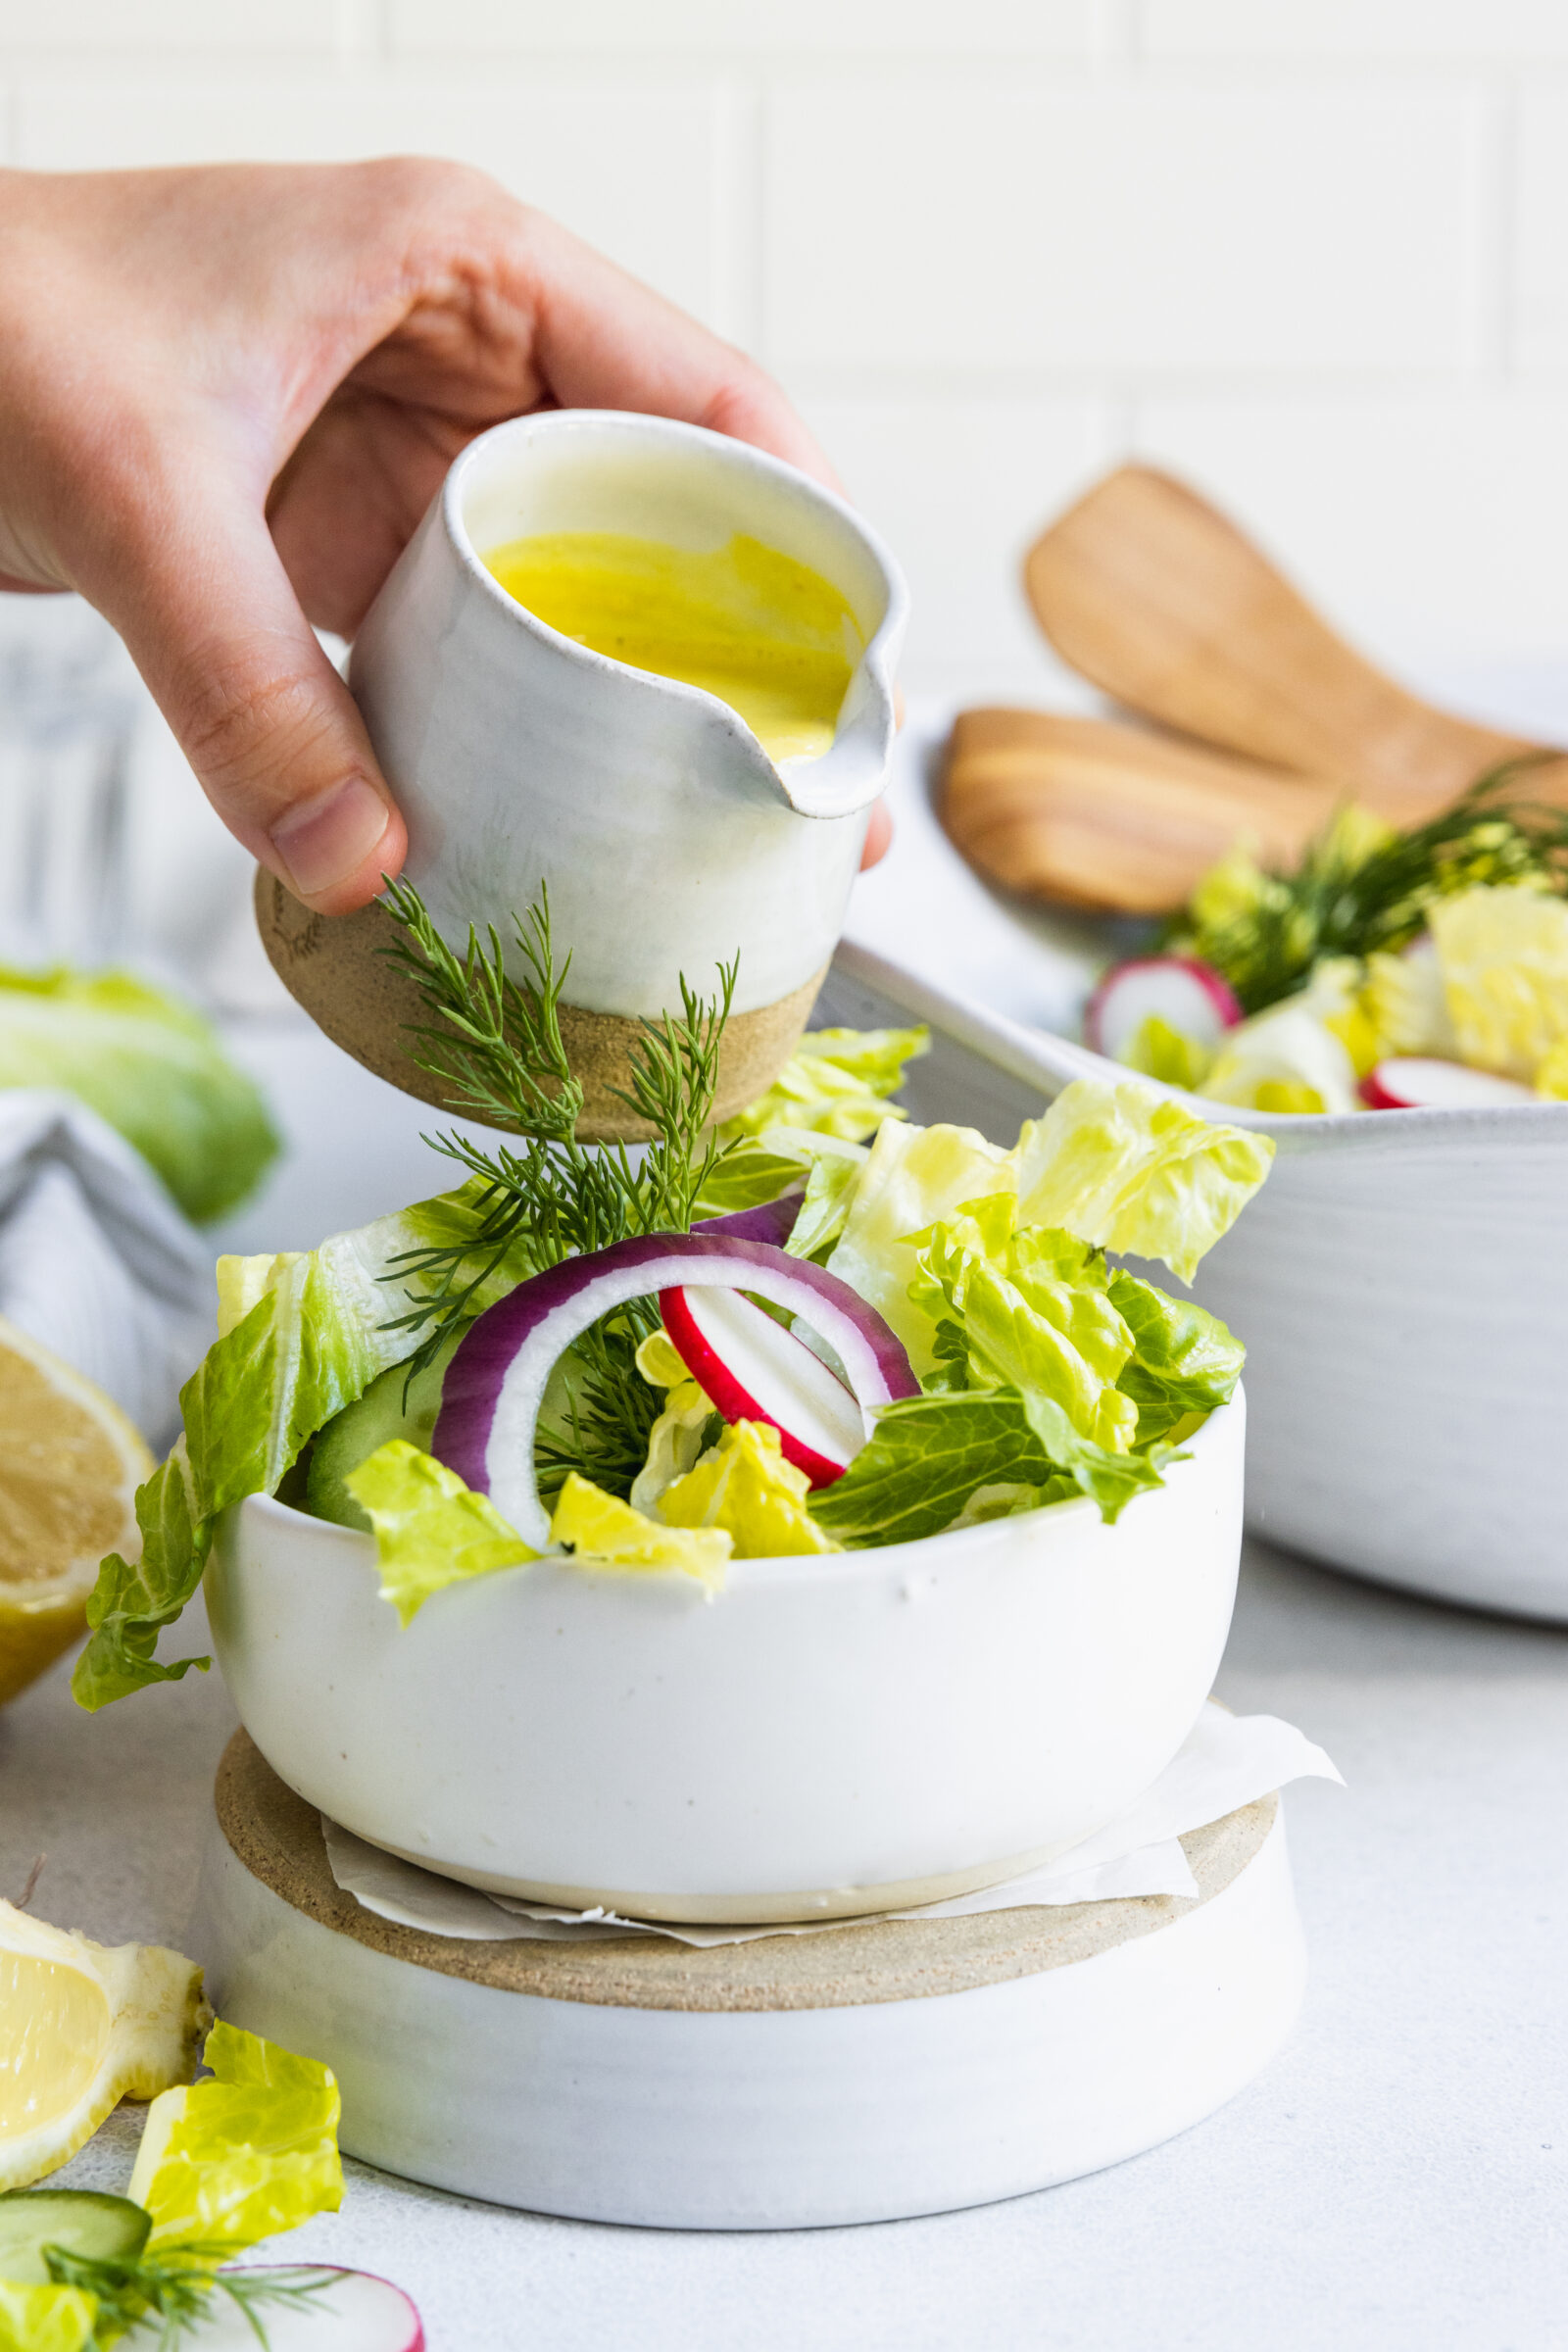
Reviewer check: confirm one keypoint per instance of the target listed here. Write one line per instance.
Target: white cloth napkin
(95, 1259)
(1227, 1761)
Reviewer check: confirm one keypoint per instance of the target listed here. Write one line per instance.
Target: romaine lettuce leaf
(1403, 1001)
(242, 2154)
(1184, 1360)
(745, 1485)
(836, 1082)
(45, 2319)
(148, 1064)
(1128, 1169)
(914, 1178)
(313, 1332)
(605, 1533)
(431, 1529)
(1157, 1051)
(675, 1439)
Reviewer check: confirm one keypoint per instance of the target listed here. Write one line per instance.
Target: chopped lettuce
(1503, 955)
(302, 1337)
(1157, 1051)
(678, 1437)
(837, 1083)
(46, 2319)
(1404, 1004)
(915, 1177)
(1129, 1170)
(242, 2154)
(745, 1485)
(1286, 1060)
(431, 1529)
(605, 1533)
(148, 1064)
(1184, 1360)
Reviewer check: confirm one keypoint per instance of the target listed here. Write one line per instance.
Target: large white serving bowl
(1401, 1285)
(828, 1735)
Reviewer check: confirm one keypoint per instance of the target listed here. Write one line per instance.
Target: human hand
(231, 392)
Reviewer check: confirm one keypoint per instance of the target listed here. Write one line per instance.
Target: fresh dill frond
(178, 2293)
(1347, 897)
(496, 1041)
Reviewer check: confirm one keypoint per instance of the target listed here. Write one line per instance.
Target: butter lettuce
(241, 2155)
(431, 1529)
(747, 1487)
(1503, 955)
(301, 1336)
(837, 1082)
(148, 1064)
(604, 1532)
(45, 2319)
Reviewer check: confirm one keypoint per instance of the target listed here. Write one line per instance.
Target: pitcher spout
(849, 776)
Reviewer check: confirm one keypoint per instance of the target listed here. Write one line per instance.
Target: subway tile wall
(1313, 254)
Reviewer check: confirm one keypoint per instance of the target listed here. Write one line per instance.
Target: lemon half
(83, 2026)
(70, 1466)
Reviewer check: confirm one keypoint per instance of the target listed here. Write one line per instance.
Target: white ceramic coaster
(865, 2074)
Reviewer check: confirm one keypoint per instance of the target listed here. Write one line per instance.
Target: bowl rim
(866, 1564)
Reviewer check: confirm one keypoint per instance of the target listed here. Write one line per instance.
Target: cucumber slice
(380, 1414)
(81, 2221)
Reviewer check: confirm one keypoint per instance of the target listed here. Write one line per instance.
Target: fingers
(264, 719)
(878, 836)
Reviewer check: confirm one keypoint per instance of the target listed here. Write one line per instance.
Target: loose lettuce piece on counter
(242, 2154)
(837, 1082)
(605, 1533)
(148, 1064)
(747, 1487)
(301, 1336)
(431, 1529)
(1503, 955)
(46, 2319)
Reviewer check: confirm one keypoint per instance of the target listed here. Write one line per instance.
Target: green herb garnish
(177, 2294)
(1360, 888)
(497, 1043)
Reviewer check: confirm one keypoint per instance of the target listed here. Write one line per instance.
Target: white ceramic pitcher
(668, 840)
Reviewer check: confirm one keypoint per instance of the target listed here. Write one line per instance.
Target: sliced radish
(495, 1382)
(353, 2312)
(1412, 1082)
(754, 1370)
(1187, 995)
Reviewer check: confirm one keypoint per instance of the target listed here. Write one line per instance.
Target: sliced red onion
(1419, 1081)
(1183, 991)
(354, 2312)
(495, 1383)
(754, 1370)
(773, 1222)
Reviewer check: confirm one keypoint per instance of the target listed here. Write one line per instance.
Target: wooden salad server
(1155, 597)
(1087, 812)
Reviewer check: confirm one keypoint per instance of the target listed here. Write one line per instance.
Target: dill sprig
(177, 2294)
(1349, 899)
(495, 1042)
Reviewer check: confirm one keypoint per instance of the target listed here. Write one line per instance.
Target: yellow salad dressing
(767, 635)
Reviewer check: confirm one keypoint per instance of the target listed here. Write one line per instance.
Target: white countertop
(1394, 2180)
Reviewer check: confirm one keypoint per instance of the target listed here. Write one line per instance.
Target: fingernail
(325, 840)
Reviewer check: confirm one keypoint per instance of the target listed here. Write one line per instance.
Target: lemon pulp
(54, 2030)
(766, 634)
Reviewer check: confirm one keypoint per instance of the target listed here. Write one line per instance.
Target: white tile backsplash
(1313, 252)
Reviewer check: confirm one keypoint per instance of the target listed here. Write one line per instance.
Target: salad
(1394, 971)
(817, 1328)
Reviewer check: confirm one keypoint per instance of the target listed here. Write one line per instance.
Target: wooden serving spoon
(1154, 596)
(1089, 813)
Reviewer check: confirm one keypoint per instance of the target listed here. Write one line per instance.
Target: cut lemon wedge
(70, 1466)
(83, 2026)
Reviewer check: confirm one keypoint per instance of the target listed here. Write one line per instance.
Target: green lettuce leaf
(1184, 1360)
(603, 1532)
(837, 1082)
(148, 1064)
(431, 1529)
(45, 2319)
(303, 1336)
(929, 1456)
(241, 2155)
(747, 1487)
(915, 1176)
(1128, 1169)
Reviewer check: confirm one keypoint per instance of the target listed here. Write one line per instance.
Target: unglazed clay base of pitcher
(336, 968)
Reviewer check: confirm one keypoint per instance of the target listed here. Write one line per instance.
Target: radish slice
(1412, 1082)
(1187, 995)
(354, 2313)
(754, 1370)
(496, 1381)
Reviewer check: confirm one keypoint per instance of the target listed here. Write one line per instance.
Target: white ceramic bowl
(829, 1736)
(1400, 1283)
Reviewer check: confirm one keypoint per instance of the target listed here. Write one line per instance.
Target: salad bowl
(828, 1735)
(1401, 1282)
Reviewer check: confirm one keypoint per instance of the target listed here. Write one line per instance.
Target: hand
(231, 393)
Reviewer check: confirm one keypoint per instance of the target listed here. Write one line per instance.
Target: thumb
(211, 620)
